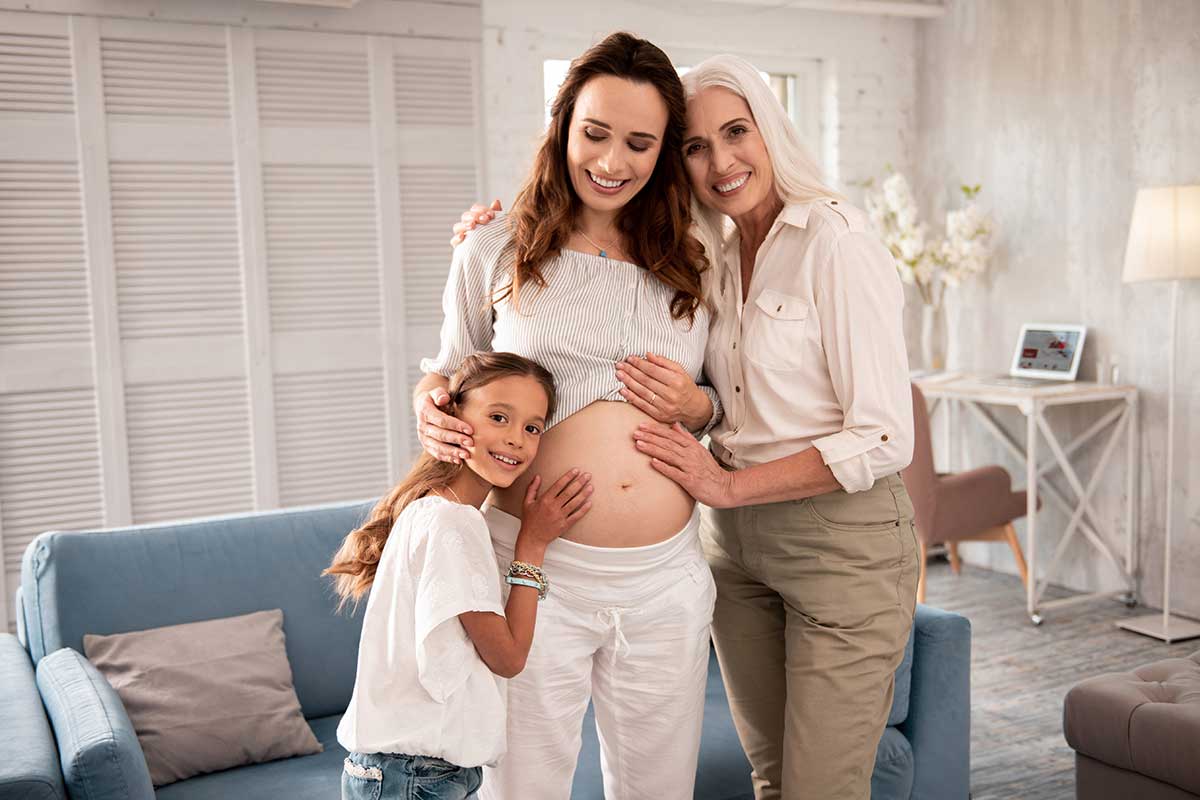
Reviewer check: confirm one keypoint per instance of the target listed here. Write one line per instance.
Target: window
(554, 72)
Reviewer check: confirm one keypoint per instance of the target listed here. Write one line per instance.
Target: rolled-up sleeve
(467, 305)
(718, 410)
(861, 305)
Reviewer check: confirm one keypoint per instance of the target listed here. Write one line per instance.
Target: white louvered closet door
(50, 475)
(176, 265)
(323, 265)
(439, 167)
(214, 298)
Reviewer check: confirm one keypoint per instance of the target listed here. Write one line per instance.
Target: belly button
(625, 485)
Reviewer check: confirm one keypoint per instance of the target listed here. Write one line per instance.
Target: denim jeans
(391, 776)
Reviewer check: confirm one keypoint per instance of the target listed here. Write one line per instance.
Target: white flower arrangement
(931, 263)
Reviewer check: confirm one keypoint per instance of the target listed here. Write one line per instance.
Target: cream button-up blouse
(815, 356)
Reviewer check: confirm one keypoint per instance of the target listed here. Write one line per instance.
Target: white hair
(797, 175)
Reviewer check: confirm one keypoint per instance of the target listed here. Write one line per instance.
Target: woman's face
(725, 154)
(614, 140)
(508, 416)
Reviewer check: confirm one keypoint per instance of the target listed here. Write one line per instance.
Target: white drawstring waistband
(612, 614)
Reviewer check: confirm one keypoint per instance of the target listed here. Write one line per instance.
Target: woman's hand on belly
(632, 504)
(677, 455)
(664, 391)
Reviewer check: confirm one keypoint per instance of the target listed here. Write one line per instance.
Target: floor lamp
(1164, 245)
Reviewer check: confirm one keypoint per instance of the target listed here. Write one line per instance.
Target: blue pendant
(603, 254)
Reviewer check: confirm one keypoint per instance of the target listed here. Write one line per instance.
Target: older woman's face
(725, 155)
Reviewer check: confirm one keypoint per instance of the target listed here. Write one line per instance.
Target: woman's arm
(678, 455)
(860, 305)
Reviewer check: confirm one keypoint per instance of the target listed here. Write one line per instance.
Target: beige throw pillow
(206, 696)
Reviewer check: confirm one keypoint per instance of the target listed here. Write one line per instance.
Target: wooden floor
(1021, 673)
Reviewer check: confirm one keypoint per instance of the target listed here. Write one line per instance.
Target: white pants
(629, 629)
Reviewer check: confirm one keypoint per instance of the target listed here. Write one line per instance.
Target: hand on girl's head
(443, 436)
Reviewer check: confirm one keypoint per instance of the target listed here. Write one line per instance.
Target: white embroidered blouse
(421, 688)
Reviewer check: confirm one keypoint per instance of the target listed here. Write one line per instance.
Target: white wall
(868, 64)
(1062, 110)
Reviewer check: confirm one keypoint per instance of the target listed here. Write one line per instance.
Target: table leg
(1131, 500)
(1031, 479)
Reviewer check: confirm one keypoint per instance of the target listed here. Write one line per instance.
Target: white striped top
(592, 313)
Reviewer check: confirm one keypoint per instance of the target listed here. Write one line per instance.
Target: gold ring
(653, 397)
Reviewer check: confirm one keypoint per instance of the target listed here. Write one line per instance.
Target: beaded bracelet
(528, 570)
(521, 573)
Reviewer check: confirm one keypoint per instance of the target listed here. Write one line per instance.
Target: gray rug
(1021, 673)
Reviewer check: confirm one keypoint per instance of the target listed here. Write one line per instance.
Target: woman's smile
(606, 186)
(731, 186)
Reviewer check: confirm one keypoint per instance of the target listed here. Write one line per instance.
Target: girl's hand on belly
(549, 513)
(676, 453)
(663, 389)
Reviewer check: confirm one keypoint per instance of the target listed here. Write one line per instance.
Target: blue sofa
(77, 741)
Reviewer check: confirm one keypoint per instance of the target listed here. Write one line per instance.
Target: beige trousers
(815, 601)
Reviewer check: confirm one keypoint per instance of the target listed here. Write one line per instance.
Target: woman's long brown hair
(356, 561)
(655, 224)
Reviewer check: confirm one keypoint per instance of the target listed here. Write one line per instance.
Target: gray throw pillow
(206, 696)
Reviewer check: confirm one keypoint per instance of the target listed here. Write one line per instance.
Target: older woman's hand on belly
(676, 453)
(663, 389)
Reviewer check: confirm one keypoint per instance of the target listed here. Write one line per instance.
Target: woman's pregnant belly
(632, 505)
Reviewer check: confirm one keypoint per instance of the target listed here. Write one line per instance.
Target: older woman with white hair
(809, 530)
(810, 534)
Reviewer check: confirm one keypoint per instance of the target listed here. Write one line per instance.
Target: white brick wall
(868, 64)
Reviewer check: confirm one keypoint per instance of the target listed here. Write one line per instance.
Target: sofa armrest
(939, 711)
(28, 760)
(98, 749)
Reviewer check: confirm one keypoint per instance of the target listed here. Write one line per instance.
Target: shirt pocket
(775, 338)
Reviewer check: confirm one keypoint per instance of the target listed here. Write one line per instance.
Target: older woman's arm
(860, 302)
(676, 453)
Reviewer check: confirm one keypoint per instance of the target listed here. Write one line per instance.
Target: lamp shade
(1164, 235)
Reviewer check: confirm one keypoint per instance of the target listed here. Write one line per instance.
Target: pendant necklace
(603, 250)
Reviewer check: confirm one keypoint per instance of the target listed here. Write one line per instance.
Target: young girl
(427, 709)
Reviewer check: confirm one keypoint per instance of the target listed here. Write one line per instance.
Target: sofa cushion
(893, 775)
(206, 696)
(1145, 721)
(317, 777)
(98, 750)
(149, 576)
(28, 759)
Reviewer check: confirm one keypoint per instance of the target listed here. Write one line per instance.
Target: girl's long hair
(355, 563)
(655, 223)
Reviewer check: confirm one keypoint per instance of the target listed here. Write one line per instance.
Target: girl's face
(725, 155)
(614, 140)
(508, 416)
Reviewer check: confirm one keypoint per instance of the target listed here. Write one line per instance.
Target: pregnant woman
(595, 275)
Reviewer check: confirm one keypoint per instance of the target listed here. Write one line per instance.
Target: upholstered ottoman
(1137, 734)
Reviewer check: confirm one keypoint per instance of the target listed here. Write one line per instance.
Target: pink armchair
(978, 505)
